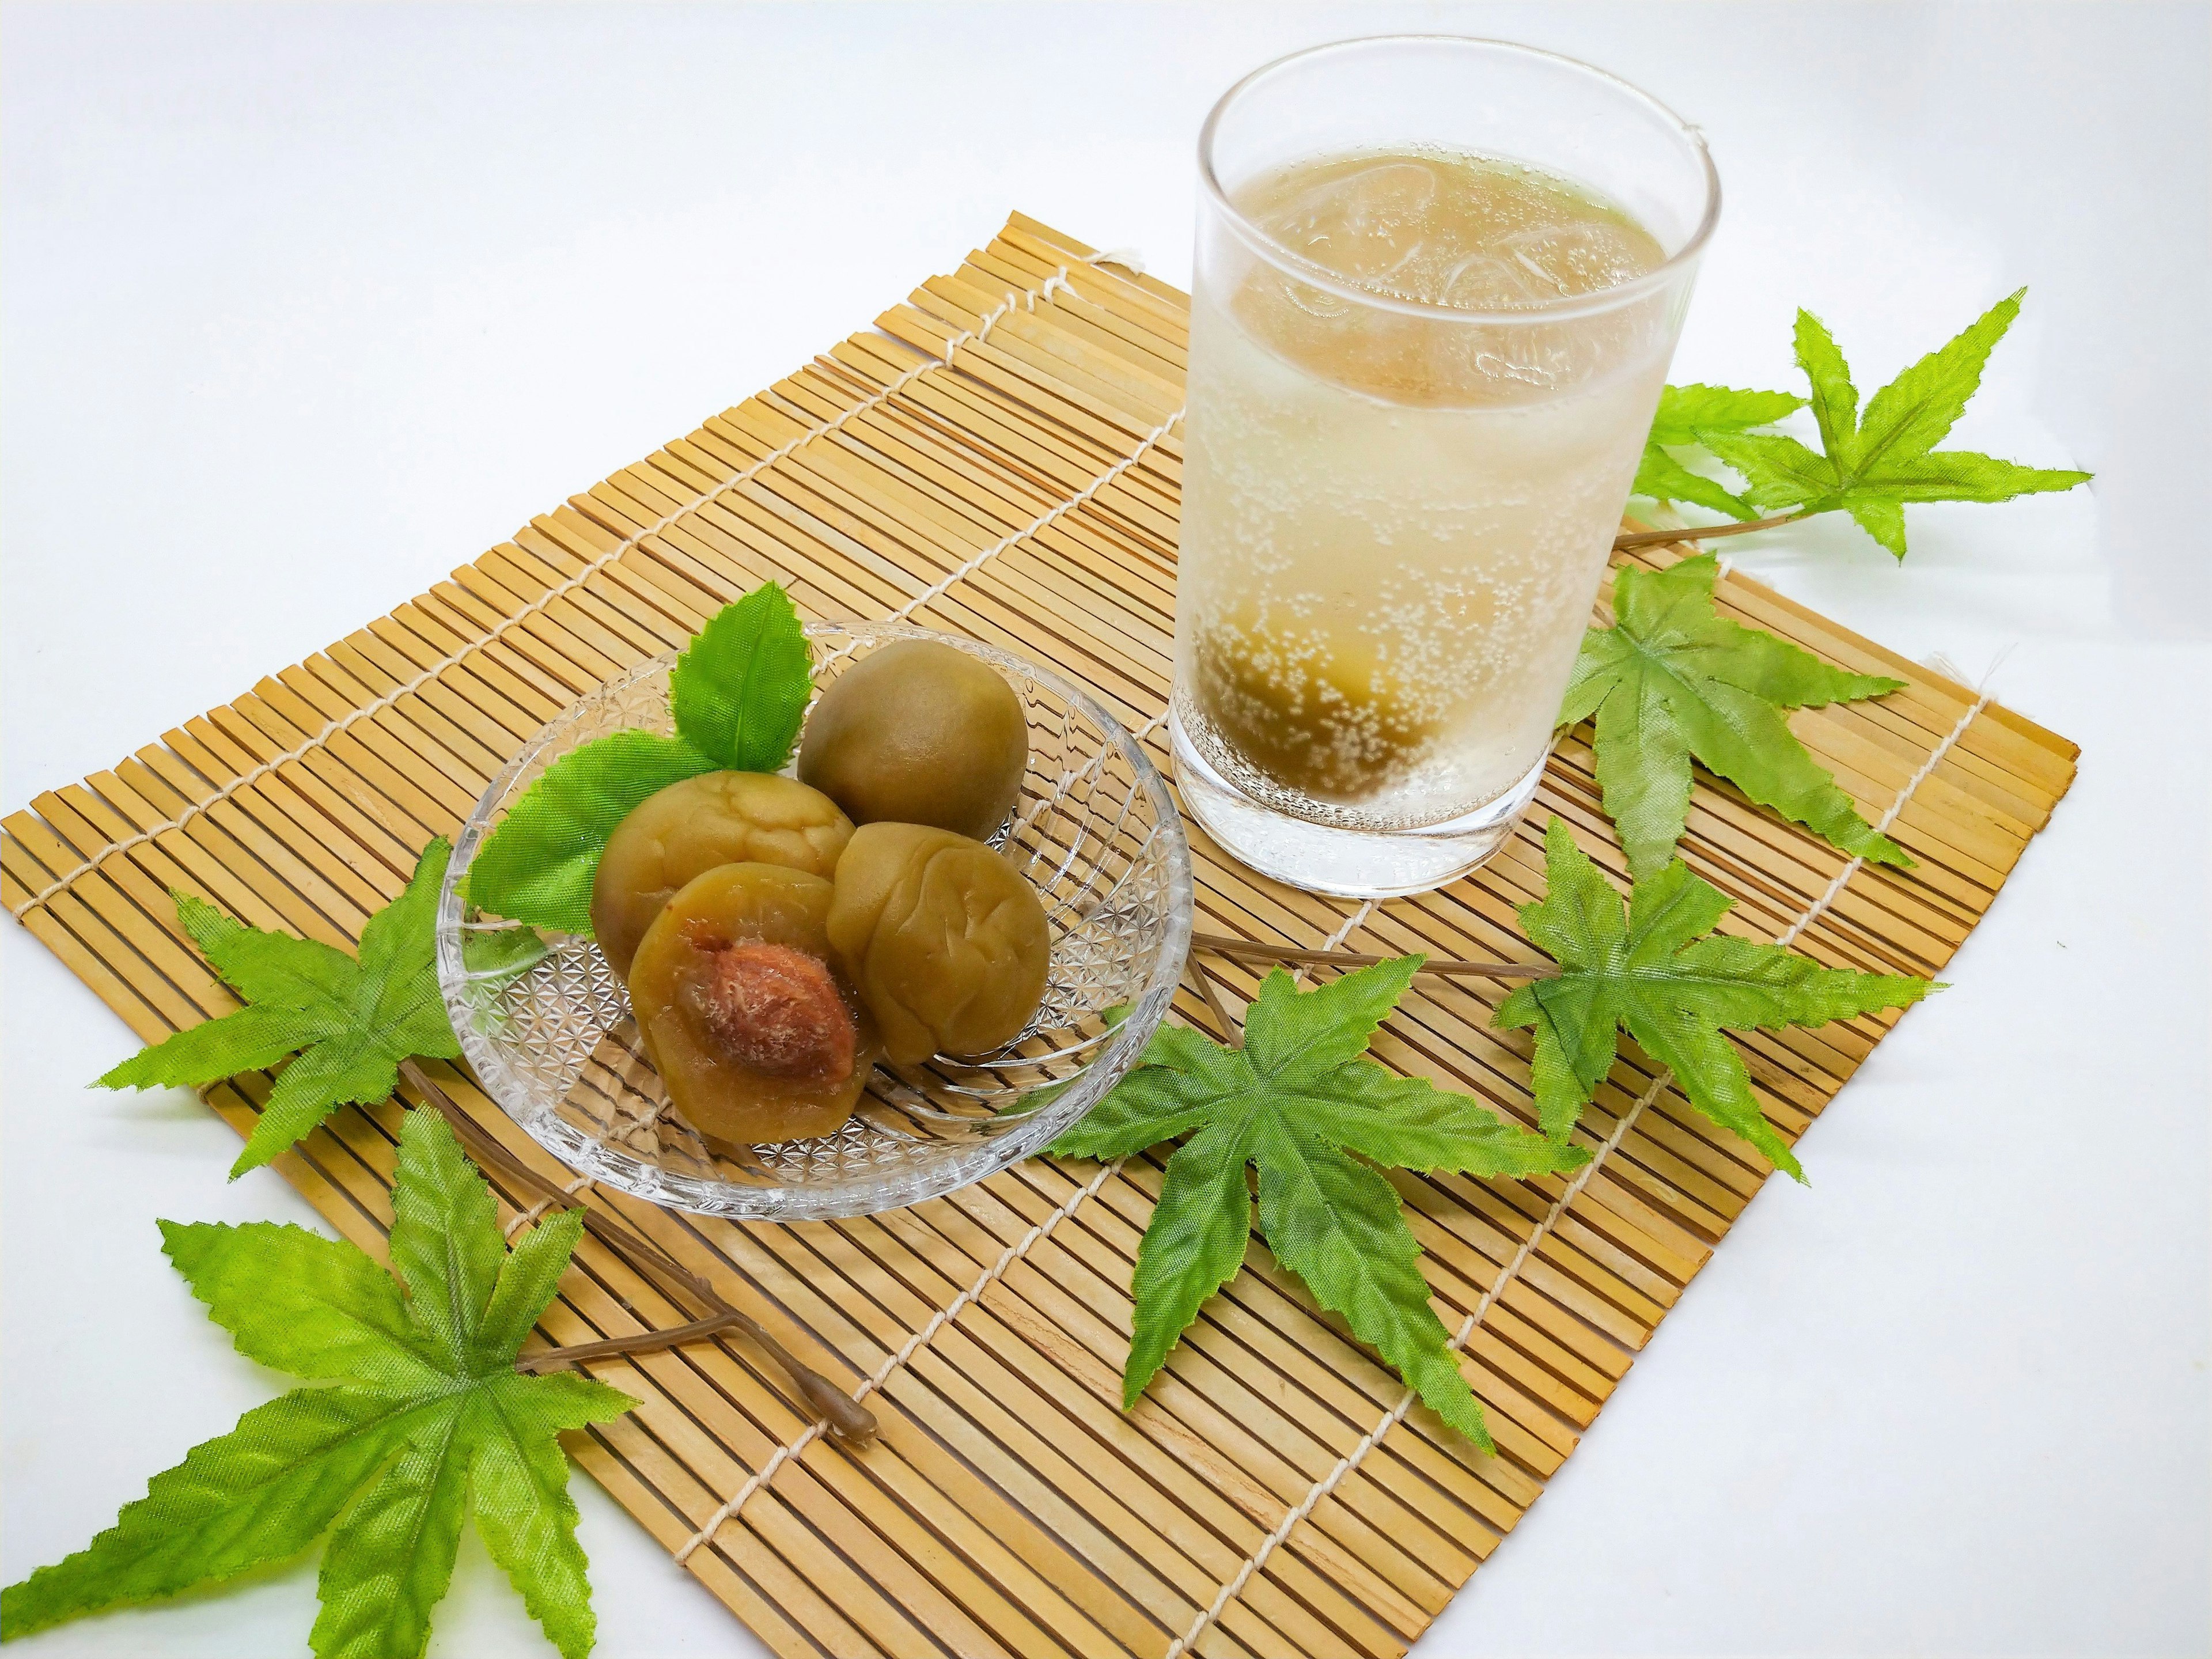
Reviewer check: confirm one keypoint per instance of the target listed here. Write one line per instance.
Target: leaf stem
(847, 1417)
(546, 1359)
(1212, 999)
(1259, 950)
(1701, 532)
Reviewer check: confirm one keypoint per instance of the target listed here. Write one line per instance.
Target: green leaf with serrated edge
(1193, 1247)
(427, 1419)
(444, 1241)
(740, 690)
(518, 1482)
(1673, 679)
(390, 1559)
(1660, 477)
(1884, 520)
(1298, 1094)
(1687, 413)
(1409, 1123)
(538, 866)
(340, 1068)
(249, 1039)
(1171, 1090)
(1917, 410)
(350, 1020)
(273, 971)
(1288, 1032)
(1335, 1223)
(527, 1278)
(1960, 474)
(1877, 462)
(1835, 399)
(398, 996)
(1655, 967)
(1778, 471)
(297, 1302)
(261, 1493)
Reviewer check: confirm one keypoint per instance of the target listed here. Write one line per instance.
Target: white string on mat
(1353, 924)
(523, 1218)
(1353, 1459)
(1025, 300)
(944, 1316)
(905, 1352)
(969, 568)
(1881, 825)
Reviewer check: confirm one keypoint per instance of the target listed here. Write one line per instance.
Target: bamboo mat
(1262, 1499)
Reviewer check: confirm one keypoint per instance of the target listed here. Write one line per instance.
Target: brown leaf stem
(546, 1359)
(1259, 950)
(848, 1419)
(1213, 1008)
(1700, 533)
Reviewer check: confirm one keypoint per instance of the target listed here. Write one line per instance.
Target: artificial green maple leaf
(1673, 679)
(1656, 968)
(1871, 467)
(1293, 1100)
(1685, 415)
(424, 1419)
(351, 1020)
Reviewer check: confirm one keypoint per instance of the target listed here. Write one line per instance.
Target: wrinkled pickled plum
(919, 733)
(689, 828)
(945, 942)
(756, 1035)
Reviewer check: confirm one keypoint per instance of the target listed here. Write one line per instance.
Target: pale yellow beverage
(1396, 512)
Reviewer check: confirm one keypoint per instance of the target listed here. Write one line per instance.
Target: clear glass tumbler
(1405, 461)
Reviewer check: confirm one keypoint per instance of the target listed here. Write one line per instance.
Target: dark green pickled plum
(919, 733)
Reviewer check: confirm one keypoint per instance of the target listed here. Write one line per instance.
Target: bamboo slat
(1264, 1497)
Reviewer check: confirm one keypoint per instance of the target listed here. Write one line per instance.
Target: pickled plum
(689, 828)
(757, 1036)
(919, 733)
(945, 941)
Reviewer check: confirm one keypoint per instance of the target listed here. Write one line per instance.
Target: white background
(304, 306)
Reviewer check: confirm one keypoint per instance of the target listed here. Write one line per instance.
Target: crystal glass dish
(546, 1024)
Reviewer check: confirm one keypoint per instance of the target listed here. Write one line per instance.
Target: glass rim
(1328, 282)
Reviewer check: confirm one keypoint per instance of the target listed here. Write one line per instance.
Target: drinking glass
(1397, 509)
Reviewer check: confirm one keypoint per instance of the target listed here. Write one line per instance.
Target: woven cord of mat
(1021, 300)
(1353, 1459)
(944, 1316)
(1044, 520)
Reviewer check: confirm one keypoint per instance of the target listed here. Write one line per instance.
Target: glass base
(1349, 863)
